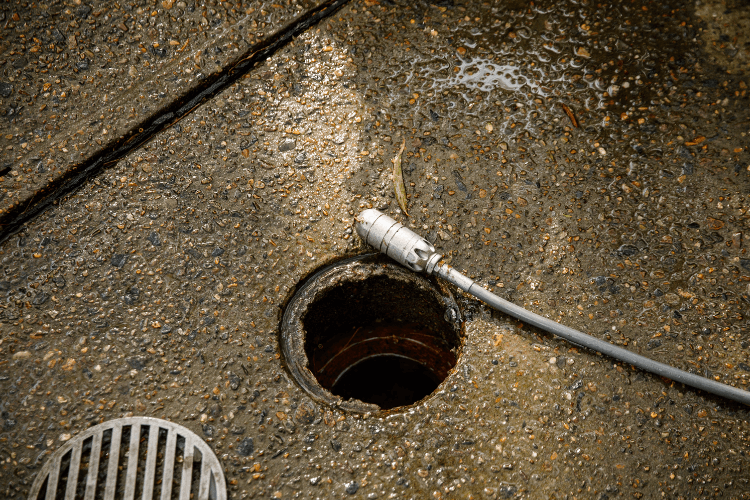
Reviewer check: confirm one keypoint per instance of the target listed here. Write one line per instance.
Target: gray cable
(449, 274)
(416, 253)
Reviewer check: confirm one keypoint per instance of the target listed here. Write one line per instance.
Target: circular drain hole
(366, 334)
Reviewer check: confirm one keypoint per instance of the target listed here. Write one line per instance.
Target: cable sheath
(448, 273)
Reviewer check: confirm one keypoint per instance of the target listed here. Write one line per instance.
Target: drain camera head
(397, 241)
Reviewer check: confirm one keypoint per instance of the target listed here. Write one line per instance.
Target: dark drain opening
(399, 381)
(371, 332)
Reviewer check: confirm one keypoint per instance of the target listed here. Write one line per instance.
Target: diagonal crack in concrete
(13, 220)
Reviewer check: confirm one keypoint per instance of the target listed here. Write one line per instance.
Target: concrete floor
(588, 162)
(77, 78)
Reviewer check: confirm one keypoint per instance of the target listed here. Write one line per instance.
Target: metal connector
(397, 241)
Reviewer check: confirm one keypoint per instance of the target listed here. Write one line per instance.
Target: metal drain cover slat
(187, 471)
(109, 493)
(96, 449)
(130, 476)
(75, 470)
(166, 488)
(53, 477)
(148, 482)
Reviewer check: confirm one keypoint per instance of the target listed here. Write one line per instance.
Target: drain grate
(128, 458)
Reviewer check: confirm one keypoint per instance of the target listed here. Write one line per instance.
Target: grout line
(13, 221)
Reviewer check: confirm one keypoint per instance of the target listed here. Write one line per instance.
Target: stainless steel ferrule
(397, 241)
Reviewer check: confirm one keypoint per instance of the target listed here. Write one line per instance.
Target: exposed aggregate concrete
(75, 77)
(157, 288)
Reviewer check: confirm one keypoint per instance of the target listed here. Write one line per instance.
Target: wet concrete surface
(587, 162)
(75, 77)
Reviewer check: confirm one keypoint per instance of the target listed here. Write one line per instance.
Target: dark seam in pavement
(14, 219)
